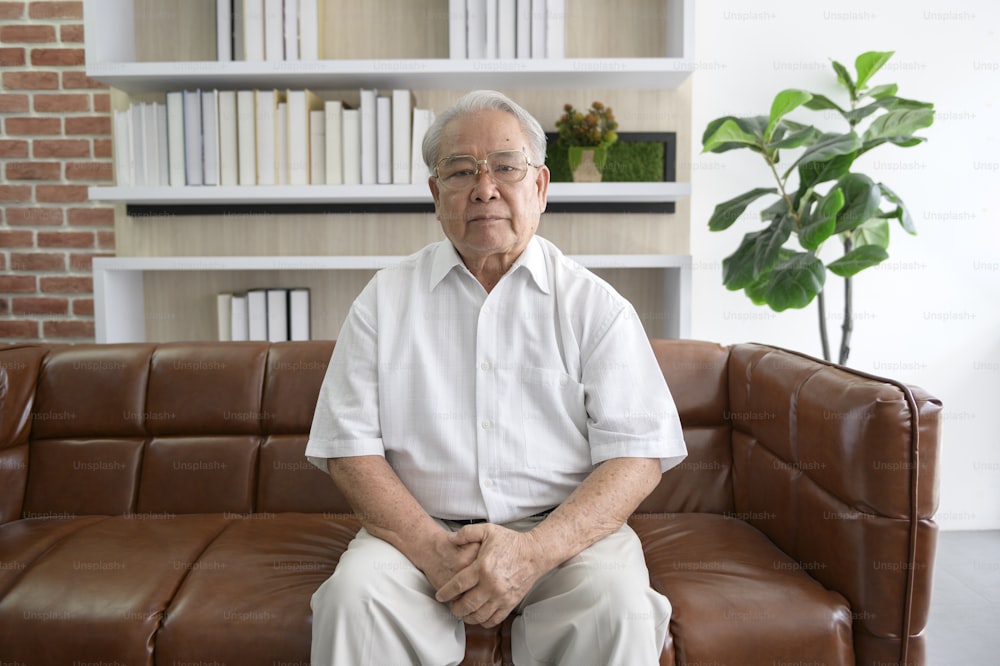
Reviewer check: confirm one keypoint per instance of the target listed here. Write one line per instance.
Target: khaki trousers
(597, 608)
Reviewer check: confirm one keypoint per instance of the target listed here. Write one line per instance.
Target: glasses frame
(479, 170)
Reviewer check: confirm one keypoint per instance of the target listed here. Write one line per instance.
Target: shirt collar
(446, 257)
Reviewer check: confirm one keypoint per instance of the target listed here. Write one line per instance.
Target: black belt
(478, 521)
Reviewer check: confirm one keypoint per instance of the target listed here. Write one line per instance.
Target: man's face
(489, 219)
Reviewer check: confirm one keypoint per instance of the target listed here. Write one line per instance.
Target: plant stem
(847, 326)
(824, 340)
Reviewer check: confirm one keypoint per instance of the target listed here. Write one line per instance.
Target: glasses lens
(457, 172)
(507, 166)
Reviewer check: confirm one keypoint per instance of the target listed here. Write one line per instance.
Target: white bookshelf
(120, 307)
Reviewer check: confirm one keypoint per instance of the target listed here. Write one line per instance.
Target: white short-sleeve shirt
(493, 405)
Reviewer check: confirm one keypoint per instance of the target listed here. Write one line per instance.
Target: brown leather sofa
(155, 508)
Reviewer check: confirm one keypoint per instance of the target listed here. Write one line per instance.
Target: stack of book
(258, 30)
(274, 314)
(502, 29)
(270, 137)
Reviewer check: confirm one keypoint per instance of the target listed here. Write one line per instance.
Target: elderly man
(493, 413)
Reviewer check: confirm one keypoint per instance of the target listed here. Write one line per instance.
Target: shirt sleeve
(346, 420)
(631, 412)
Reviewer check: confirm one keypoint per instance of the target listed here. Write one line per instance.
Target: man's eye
(461, 173)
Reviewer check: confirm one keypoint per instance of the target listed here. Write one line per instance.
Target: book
(192, 138)
(301, 103)
(281, 142)
(229, 157)
(475, 37)
(277, 315)
(457, 30)
(162, 155)
(539, 31)
(267, 110)
(240, 327)
(210, 137)
(369, 165)
(333, 154)
(137, 156)
(224, 316)
(224, 30)
(492, 32)
(257, 314)
(402, 118)
(253, 30)
(122, 132)
(151, 144)
(310, 24)
(555, 29)
(383, 139)
(246, 136)
(351, 145)
(317, 147)
(523, 30)
(291, 32)
(422, 119)
(299, 316)
(506, 29)
(175, 138)
(274, 30)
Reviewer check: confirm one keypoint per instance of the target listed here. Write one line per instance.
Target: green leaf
(858, 260)
(775, 210)
(868, 63)
(737, 268)
(862, 197)
(727, 212)
(882, 91)
(844, 78)
(823, 103)
(784, 103)
(872, 232)
(769, 244)
(828, 146)
(899, 123)
(729, 132)
(794, 282)
(814, 173)
(795, 139)
(901, 213)
(823, 222)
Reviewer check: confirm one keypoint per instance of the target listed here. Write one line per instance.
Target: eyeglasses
(459, 172)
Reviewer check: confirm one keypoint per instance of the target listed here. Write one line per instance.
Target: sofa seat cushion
(102, 584)
(209, 588)
(737, 598)
(246, 598)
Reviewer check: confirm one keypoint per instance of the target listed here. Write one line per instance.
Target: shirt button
(485, 365)
(488, 483)
(486, 425)
(563, 381)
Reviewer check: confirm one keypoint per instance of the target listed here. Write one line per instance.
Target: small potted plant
(587, 138)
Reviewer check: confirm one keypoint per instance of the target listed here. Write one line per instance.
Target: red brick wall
(55, 142)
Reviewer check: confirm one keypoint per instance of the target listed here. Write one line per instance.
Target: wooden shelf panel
(374, 194)
(441, 74)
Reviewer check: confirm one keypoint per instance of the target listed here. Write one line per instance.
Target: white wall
(931, 314)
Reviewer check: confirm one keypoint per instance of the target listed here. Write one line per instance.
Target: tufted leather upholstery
(155, 507)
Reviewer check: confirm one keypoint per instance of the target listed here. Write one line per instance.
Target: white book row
(274, 315)
(270, 137)
(259, 30)
(505, 29)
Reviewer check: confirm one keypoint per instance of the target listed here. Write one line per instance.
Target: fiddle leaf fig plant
(816, 194)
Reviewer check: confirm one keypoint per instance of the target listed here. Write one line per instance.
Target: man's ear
(542, 183)
(436, 194)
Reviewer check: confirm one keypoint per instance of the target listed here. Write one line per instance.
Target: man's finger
(469, 534)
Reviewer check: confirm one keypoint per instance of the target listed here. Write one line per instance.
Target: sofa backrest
(177, 428)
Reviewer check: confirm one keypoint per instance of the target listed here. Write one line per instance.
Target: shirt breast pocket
(555, 421)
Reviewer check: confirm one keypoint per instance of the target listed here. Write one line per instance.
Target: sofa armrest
(839, 469)
(19, 367)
